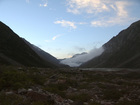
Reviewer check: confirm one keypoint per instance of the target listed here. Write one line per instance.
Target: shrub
(12, 99)
(80, 97)
(112, 94)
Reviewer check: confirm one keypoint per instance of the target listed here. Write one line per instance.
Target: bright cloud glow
(121, 15)
(120, 8)
(65, 23)
(114, 11)
(88, 6)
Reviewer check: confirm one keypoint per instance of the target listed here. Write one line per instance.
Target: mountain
(44, 55)
(79, 59)
(76, 55)
(122, 51)
(15, 51)
(75, 60)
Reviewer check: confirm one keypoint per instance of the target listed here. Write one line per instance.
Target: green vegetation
(80, 97)
(12, 99)
(126, 102)
(12, 78)
(120, 87)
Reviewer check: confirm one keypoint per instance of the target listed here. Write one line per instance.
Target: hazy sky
(66, 27)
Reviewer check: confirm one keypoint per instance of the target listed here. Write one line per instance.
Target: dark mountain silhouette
(44, 55)
(14, 50)
(76, 55)
(122, 51)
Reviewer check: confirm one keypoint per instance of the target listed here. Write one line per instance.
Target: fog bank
(78, 60)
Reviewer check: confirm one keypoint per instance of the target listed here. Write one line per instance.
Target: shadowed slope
(121, 51)
(13, 50)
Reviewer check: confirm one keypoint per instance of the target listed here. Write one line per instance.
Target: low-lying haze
(79, 59)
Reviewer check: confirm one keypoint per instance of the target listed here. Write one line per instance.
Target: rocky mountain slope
(122, 51)
(44, 55)
(14, 50)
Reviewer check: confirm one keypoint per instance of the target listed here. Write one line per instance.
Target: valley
(109, 75)
(68, 86)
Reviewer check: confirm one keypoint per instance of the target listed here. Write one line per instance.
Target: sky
(67, 27)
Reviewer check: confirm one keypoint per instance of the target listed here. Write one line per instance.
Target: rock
(70, 89)
(35, 96)
(20, 68)
(53, 77)
(61, 81)
(70, 101)
(85, 103)
(96, 97)
(91, 100)
(22, 91)
(121, 99)
(9, 93)
(51, 81)
(29, 90)
(105, 103)
(59, 98)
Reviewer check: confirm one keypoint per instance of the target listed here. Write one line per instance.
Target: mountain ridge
(44, 55)
(121, 51)
(14, 51)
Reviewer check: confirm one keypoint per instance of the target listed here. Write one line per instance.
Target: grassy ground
(81, 87)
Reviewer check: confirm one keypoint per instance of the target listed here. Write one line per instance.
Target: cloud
(105, 12)
(82, 23)
(120, 8)
(78, 60)
(110, 21)
(44, 4)
(69, 24)
(56, 37)
(65, 23)
(88, 6)
(53, 38)
(121, 15)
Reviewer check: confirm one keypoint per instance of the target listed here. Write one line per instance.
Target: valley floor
(36, 86)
